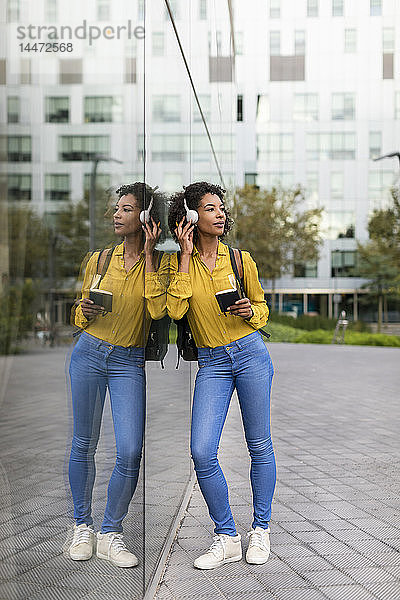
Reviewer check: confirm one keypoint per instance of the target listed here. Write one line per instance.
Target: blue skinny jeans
(95, 366)
(245, 365)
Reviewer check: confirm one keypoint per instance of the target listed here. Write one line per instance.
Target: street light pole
(92, 197)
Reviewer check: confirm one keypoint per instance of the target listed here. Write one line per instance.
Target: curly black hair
(193, 194)
(144, 194)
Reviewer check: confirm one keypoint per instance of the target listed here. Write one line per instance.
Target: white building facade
(310, 96)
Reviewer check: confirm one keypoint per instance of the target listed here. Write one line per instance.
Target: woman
(110, 355)
(231, 355)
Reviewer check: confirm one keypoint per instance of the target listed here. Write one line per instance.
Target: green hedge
(310, 323)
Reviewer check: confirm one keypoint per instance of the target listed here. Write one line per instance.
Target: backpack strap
(103, 261)
(237, 265)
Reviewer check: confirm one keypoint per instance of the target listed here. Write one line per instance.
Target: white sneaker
(82, 545)
(259, 546)
(225, 549)
(111, 546)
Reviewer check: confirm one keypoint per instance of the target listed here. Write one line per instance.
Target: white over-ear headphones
(145, 214)
(191, 215)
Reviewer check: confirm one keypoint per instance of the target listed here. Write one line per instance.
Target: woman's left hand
(152, 232)
(241, 308)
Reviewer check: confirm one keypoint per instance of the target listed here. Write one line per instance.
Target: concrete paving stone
(331, 577)
(385, 591)
(163, 593)
(16, 590)
(284, 538)
(314, 536)
(276, 581)
(273, 565)
(294, 526)
(369, 575)
(308, 563)
(196, 586)
(303, 594)
(263, 595)
(355, 560)
(370, 546)
(352, 534)
(238, 585)
(291, 550)
(386, 559)
(348, 592)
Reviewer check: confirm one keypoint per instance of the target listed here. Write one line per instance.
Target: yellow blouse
(124, 325)
(194, 293)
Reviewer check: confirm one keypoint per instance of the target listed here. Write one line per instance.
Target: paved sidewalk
(336, 514)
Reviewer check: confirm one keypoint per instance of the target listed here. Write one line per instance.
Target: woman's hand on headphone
(152, 232)
(184, 233)
(241, 308)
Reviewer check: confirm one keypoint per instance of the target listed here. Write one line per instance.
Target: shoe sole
(76, 558)
(113, 562)
(224, 562)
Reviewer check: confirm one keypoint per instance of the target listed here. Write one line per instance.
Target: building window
(275, 147)
(140, 10)
(220, 68)
(379, 189)
(103, 109)
(71, 71)
(312, 8)
(103, 181)
(305, 107)
(268, 180)
(57, 187)
(343, 107)
(312, 189)
(13, 109)
(83, 147)
(25, 71)
(50, 11)
(331, 146)
(12, 11)
(130, 69)
(337, 8)
(174, 148)
(375, 8)
(57, 109)
(308, 269)
(174, 9)
(103, 10)
(344, 263)
(250, 179)
(157, 39)
(202, 10)
(299, 42)
(397, 105)
(166, 108)
(19, 148)
(375, 144)
(19, 187)
(239, 43)
(275, 43)
(388, 39)
(239, 108)
(339, 224)
(350, 41)
(388, 65)
(263, 108)
(274, 9)
(205, 103)
(337, 185)
(3, 72)
(224, 146)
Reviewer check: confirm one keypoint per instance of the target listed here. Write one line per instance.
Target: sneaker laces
(217, 546)
(257, 539)
(82, 536)
(117, 543)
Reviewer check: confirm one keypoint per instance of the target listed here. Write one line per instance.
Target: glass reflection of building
(311, 99)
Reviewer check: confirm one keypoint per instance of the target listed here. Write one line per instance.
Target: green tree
(275, 228)
(379, 258)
